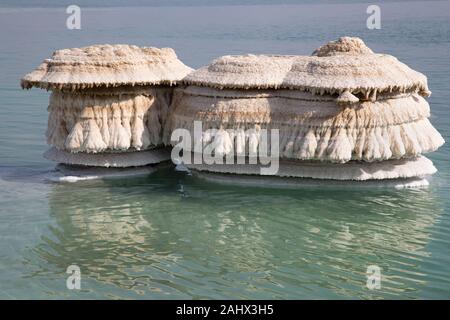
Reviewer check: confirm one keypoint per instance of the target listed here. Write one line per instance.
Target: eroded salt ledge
(109, 160)
(71, 173)
(344, 113)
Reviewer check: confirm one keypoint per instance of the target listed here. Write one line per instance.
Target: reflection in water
(174, 236)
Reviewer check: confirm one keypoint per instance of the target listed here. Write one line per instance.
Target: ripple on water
(142, 236)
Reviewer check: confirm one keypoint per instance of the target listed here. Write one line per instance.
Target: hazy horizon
(169, 3)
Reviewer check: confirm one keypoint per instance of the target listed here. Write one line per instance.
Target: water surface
(170, 235)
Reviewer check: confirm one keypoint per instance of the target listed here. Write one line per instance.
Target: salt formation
(343, 113)
(108, 103)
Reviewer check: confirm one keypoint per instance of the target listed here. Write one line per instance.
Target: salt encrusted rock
(343, 113)
(107, 66)
(342, 65)
(107, 99)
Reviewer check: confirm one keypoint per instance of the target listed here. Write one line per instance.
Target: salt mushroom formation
(344, 113)
(108, 103)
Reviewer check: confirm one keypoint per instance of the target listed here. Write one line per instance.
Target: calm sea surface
(170, 235)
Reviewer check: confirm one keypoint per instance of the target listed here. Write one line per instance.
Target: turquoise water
(171, 235)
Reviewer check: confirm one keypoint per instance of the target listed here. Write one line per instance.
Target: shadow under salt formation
(174, 236)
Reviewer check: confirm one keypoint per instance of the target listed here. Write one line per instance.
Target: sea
(173, 235)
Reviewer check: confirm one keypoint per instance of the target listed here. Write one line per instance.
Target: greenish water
(171, 235)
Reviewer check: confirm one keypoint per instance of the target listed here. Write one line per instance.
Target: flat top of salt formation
(344, 65)
(245, 71)
(107, 66)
